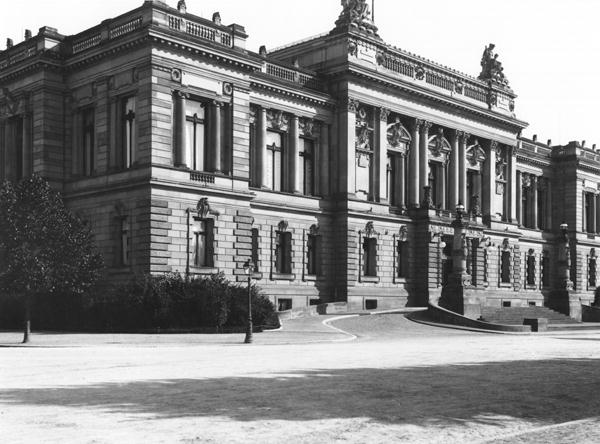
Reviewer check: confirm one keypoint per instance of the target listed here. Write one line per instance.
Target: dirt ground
(381, 379)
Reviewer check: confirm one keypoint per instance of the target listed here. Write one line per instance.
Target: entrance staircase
(516, 315)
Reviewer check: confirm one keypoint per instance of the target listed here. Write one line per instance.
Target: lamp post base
(248, 339)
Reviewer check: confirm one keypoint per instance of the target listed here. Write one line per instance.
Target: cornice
(304, 96)
(382, 79)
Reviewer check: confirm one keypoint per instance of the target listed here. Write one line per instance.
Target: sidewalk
(297, 331)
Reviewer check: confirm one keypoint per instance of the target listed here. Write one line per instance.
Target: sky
(550, 49)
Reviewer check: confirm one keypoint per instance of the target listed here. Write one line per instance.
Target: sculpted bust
(356, 14)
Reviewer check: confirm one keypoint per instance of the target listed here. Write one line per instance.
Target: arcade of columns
(418, 166)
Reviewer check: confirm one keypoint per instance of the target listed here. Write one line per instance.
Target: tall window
(203, 243)
(274, 154)
(313, 246)
(306, 166)
(436, 178)
(402, 259)
(592, 270)
(283, 252)
(128, 133)
(369, 256)
(88, 142)
(124, 242)
(195, 137)
(545, 269)
(530, 278)
(15, 148)
(473, 191)
(254, 248)
(590, 212)
(505, 267)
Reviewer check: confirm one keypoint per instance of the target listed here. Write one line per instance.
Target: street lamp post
(249, 269)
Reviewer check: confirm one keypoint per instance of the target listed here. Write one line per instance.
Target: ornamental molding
(283, 225)
(398, 136)
(314, 230)
(307, 126)
(278, 120)
(369, 230)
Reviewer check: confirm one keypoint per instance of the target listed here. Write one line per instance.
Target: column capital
(180, 94)
(465, 137)
(426, 125)
(458, 134)
(416, 124)
(351, 104)
(494, 145)
(384, 114)
(217, 103)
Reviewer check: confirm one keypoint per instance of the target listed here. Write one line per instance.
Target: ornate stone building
(335, 164)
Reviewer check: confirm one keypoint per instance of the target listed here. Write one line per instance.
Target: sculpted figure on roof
(356, 13)
(491, 68)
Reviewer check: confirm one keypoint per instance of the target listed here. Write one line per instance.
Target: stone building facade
(335, 164)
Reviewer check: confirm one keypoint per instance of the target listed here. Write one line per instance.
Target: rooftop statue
(491, 68)
(356, 14)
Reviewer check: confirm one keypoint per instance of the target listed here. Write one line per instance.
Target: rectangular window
(370, 257)
(203, 243)
(88, 142)
(313, 246)
(195, 137)
(128, 133)
(402, 260)
(283, 252)
(530, 268)
(305, 166)
(274, 153)
(590, 212)
(505, 267)
(546, 269)
(254, 247)
(15, 148)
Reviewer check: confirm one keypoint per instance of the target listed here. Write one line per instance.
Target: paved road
(398, 382)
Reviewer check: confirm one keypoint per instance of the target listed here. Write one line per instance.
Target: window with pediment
(369, 251)
(277, 129)
(195, 137)
(364, 152)
(476, 157)
(439, 154)
(398, 147)
(530, 269)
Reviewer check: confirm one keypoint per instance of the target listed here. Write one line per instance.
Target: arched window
(369, 251)
(283, 249)
(313, 252)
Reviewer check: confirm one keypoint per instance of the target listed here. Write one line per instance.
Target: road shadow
(547, 391)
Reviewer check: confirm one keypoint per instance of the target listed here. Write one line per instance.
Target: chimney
(549, 142)
(9, 43)
(535, 137)
(262, 51)
(583, 144)
(27, 34)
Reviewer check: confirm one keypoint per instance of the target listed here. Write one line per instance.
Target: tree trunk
(27, 323)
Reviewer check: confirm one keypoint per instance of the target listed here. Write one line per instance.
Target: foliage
(45, 248)
(152, 303)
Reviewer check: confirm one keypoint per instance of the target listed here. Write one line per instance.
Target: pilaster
(413, 171)
(294, 176)
(381, 153)
(181, 154)
(424, 159)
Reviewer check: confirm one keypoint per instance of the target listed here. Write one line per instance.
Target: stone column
(424, 160)
(181, 147)
(381, 154)
(453, 191)
(518, 197)
(8, 166)
(549, 218)
(413, 171)
(462, 169)
(348, 145)
(216, 127)
(76, 145)
(489, 182)
(400, 181)
(534, 201)
(27, 158)
(324, 161)
(294, 176)
(514, 184)
(261, 146)
(115, 155)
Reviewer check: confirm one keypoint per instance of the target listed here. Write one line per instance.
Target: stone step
(516, 315)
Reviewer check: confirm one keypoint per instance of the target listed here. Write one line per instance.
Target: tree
(44, 248)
